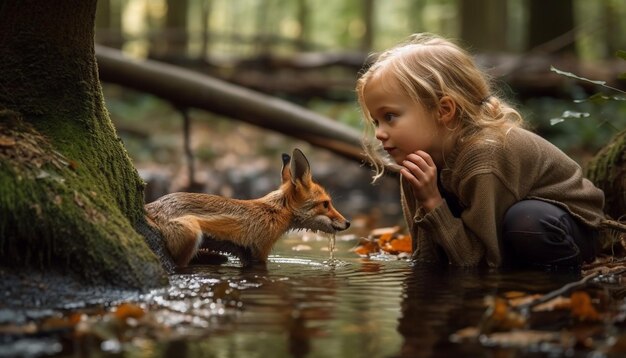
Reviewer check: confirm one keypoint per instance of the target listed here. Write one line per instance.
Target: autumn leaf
(128, 310)
(6, 141)
(582, 307)
(500, 317)
(367, 248)
(398, 245)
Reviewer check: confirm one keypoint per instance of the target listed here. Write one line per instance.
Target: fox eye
(326, 204)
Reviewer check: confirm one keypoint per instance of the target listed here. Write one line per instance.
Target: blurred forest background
(310, 52)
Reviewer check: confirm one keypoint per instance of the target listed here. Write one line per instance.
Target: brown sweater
(487, 177)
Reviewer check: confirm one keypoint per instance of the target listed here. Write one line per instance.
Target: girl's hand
(420, 170)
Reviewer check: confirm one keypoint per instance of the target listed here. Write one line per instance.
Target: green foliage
(598, 99)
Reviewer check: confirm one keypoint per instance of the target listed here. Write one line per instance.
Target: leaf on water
(367, 247)
(399, 245)
(128, 310)
(582, 307)
(385, 230)
(571, 75)
(388, 240)
(18, 329)
(60, 323)
(465, 335)
(500, 317)
(521, 338)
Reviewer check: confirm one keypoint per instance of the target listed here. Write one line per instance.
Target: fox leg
(182, 238)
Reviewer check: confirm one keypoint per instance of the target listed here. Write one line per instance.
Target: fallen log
(186, 88)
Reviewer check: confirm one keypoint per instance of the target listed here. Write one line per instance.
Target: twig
(556, 293)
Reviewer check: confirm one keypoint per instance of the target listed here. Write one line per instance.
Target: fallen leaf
(367, 248)
(582, 307)
(520, 338)
(398, 245)
(500, 317)
(128, 310)
(6, 141)
(384, 231)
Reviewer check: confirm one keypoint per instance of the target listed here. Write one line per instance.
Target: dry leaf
(385, 231)
(500, 317)
(398, 245)
(367, 248)
(128, 310)
(582, 307)
(6, 141)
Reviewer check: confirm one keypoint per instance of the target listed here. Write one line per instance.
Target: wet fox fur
(245, 228)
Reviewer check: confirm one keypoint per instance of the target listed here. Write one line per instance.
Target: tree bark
(481, 17)
(69, 194)
(551, 26)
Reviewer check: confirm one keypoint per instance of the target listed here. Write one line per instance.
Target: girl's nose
(380, 134)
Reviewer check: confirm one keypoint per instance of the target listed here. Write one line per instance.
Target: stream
(299, 305)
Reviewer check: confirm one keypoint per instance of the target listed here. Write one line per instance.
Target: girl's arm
(473, 237)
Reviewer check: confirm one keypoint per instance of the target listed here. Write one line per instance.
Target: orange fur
(189, 221)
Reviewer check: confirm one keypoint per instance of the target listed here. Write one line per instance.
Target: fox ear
(285, 172)
(300, 168)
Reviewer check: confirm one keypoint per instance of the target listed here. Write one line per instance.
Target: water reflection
(297, 306)
(437, 303)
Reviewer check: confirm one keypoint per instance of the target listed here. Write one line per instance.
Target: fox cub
(245, 228)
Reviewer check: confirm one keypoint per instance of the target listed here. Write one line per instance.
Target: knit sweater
(487, 177)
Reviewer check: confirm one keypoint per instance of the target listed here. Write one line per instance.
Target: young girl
(476, 187)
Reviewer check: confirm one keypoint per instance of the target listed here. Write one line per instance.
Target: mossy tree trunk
(608, 171)
(69, 194)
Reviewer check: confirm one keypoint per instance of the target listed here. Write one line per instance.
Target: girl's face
(403, 126)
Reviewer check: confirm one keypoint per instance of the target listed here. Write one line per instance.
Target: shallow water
(300, 306)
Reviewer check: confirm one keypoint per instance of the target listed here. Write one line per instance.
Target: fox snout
(340, 225)
(328, 222)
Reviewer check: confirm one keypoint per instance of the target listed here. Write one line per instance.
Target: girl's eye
(389, 116)
(375, 122)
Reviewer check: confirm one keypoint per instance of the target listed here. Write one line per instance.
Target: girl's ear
(447, 110)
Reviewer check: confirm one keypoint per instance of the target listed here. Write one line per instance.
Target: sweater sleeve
(424, 249)
(473, 238)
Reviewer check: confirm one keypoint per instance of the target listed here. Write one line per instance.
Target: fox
(247, 229)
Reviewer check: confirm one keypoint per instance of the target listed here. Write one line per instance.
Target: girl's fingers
(424, 162)
(427, 158)
(410, 177)
(414, 168)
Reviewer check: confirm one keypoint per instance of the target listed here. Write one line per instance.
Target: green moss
(58, 211)
(608, 172)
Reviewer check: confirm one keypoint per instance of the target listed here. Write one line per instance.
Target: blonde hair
(427, 67)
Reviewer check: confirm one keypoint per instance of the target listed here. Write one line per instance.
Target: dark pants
(539, 234)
